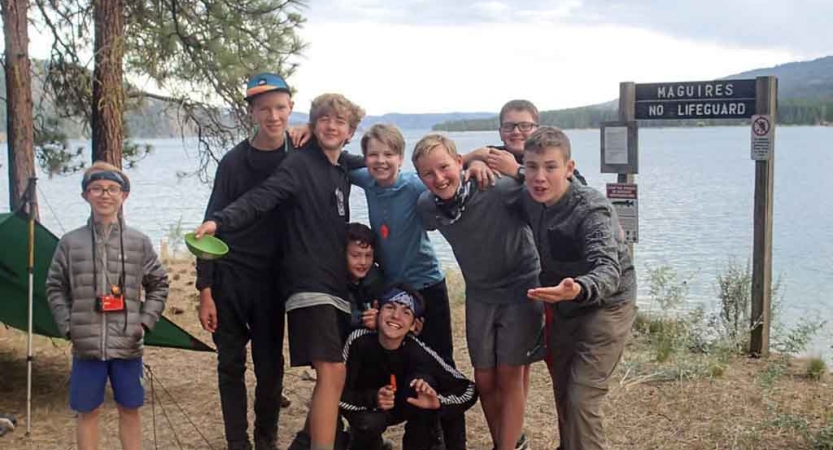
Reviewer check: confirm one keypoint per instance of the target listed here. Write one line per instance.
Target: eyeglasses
(509, 127)
(99, 191)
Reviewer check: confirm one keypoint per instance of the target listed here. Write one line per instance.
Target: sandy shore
(727, 412)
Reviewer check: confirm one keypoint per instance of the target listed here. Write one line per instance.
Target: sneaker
(522, 444)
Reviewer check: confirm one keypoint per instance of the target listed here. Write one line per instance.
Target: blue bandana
(108, 175)
(403, 298)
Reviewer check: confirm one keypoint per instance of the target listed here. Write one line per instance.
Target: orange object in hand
(393, 382)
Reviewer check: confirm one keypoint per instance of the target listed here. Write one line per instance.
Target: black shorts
(317, 333)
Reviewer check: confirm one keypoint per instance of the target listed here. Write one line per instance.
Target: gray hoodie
(69, 289)
(580, 237)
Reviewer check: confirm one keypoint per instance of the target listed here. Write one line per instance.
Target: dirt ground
(710, 413)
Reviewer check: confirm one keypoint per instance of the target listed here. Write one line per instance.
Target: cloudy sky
(469, 55)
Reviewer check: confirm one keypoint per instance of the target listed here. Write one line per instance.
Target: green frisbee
(206, 247)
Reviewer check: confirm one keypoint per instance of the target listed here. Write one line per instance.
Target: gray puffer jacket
(69, 288)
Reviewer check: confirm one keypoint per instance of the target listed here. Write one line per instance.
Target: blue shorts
(89, 376)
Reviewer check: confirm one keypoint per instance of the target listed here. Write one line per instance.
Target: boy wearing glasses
(313, 186)
(518, 119)
(95, 290)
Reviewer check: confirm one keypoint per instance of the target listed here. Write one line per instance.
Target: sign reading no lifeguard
(723, 99)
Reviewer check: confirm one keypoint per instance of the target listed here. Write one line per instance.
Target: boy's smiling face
(548, 174)
(440, 171)
(105, 197)
(271, 112)
(514, 139)
(359, 259)
(382, 162)
(394, 322)
(332, 130)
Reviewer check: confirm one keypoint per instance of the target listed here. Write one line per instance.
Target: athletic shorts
(89, 376)
(511, 334)
(317, 333)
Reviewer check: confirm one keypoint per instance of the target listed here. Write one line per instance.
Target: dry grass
(732, 411)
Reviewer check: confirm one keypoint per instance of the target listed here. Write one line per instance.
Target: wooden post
(627, 112)
(766, 103)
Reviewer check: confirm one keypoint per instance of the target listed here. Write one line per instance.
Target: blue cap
(265, 82)
(404, 298)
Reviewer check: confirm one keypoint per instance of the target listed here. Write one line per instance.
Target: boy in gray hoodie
(589, 285)
(94, 288)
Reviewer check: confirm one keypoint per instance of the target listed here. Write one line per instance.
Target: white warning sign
(624, 198)
(761, 137)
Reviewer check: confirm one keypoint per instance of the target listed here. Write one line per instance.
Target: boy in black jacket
(392, 378)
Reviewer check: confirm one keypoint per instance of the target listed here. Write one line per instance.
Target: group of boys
(545, 267)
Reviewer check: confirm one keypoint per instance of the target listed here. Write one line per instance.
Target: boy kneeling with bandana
(392, 377)
(106, 289)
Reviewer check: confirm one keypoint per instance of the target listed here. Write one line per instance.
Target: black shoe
(302, 441)
(241, 445)
(266, 442)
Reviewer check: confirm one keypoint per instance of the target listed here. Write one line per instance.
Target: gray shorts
(511, 335)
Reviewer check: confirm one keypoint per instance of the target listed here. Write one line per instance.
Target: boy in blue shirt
(402, 245)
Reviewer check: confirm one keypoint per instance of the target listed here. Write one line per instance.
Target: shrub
(816, 368)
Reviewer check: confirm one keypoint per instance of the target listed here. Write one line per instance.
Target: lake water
(696, 189)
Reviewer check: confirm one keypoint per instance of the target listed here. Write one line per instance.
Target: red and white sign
(625, 200)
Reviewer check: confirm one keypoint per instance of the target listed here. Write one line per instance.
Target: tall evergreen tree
(18, 99)
(195, 55)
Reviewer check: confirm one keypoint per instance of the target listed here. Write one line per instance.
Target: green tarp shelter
(14, 240)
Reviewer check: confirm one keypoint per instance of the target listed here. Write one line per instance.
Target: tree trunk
(20, 128)
(108, 94)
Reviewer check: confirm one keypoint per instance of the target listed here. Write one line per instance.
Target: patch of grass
(816, 368)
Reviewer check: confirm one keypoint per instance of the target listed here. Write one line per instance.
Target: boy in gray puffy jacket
(95, 286)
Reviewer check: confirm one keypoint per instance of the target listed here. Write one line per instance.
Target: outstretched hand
(426, 395)
(567, 290)
(208, 227)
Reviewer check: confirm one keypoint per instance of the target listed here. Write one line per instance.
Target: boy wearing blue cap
(392, 377)
(240, 298)
(94, 287)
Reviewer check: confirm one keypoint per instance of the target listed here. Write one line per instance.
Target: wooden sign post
(766, 94)
(723, 99)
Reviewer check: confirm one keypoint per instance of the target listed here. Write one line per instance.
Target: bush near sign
(723, 99)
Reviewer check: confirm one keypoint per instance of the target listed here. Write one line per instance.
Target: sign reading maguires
(724, 99)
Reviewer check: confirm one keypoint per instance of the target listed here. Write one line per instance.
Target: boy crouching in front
(392, 378)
